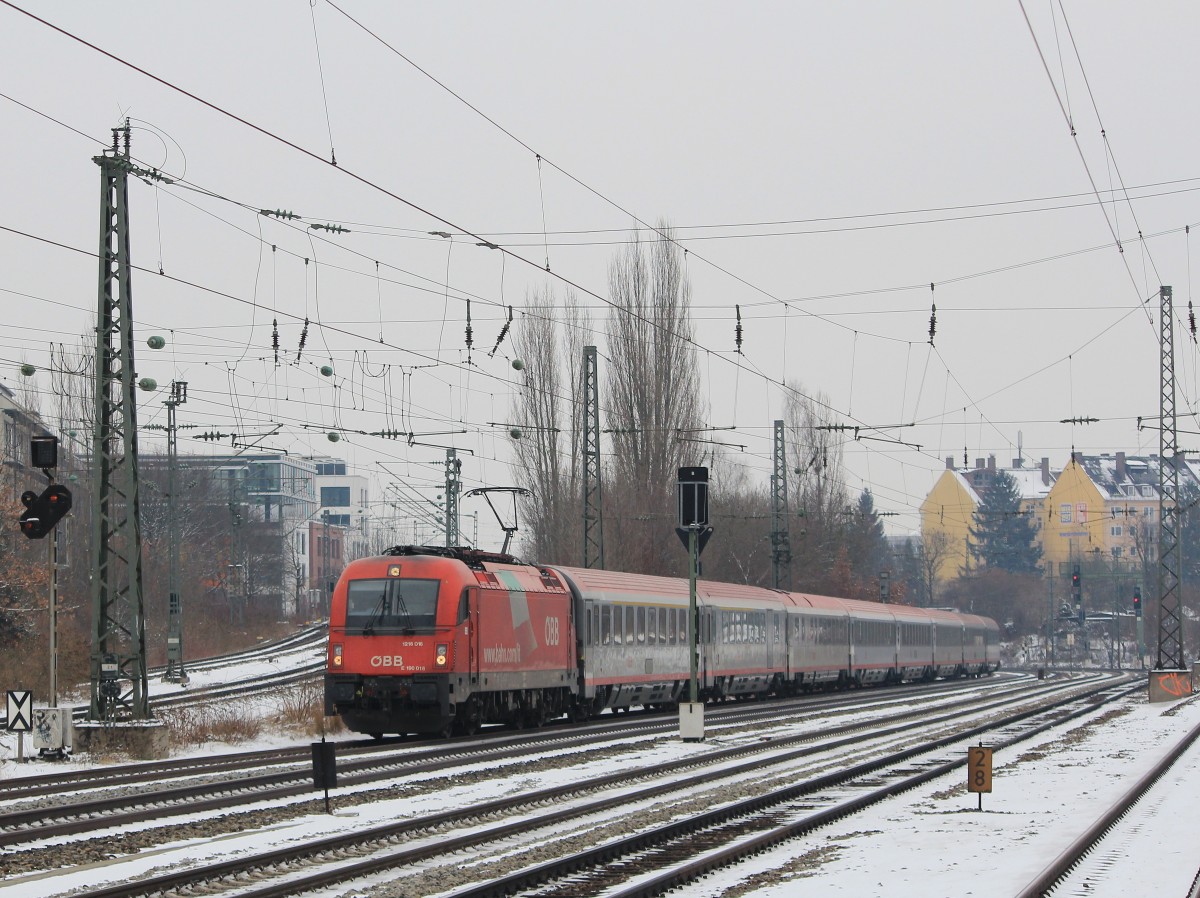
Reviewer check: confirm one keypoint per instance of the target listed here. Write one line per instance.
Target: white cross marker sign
(20, 712)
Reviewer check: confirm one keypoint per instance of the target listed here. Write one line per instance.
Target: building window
(1081, 512)
(1148, 511)
(332, 468)
(335, 496)
(1116, 552)
(1116, 531)
(1064, 513)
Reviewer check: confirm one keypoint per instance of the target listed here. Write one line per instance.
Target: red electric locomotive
(431, 640)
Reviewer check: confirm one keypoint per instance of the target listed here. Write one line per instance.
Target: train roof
(618, 585)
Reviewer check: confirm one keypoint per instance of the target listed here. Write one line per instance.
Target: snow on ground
(930, 842)
(934, 843)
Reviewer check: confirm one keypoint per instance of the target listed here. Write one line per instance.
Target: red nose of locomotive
(407, 655)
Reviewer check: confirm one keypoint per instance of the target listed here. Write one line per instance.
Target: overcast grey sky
(823, 163)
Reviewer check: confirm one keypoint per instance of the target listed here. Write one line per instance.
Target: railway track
(310, 639)
(572, 803)
(222, 782)
(1075, 870)
(118, 775)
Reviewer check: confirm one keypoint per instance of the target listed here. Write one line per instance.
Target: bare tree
(932, 551)
(821, 499)
(547, 435)
(654, 397)
(740, 550)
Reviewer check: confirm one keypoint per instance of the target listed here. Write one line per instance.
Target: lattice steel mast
(118, 657)
(1170, 635)
(593, 518)
(453, 488)
(175, 670)
(781, 547)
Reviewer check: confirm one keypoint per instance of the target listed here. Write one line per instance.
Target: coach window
(464, 607)
(652, 626)
(641, 624)
(630, 627)
(606, 624)
(618, 624)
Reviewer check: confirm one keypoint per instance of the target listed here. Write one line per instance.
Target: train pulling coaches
(425, 639)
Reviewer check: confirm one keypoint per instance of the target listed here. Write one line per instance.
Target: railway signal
(1077, 594)
(693, 529)
(1137, 601)
(43, 512)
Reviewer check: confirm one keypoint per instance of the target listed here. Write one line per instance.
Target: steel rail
(24, 825)
(720, 715)
(1047, 880)
(688, 828)
(551, 796)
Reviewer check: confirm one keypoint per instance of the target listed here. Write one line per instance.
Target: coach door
(473, 634)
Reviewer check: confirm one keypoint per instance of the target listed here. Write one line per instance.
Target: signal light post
(694, 532)
(1077, 595)
(42, 513)
(1141, 625)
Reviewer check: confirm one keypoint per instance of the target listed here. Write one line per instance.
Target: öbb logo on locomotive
(433, 639)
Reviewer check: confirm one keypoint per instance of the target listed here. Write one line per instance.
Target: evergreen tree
(1189, 529)
(911, 572)
(868, 547)
(1003, 537)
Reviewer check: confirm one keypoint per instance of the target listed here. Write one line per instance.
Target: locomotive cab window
(391, 605)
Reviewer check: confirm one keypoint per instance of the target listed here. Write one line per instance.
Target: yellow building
(1098, 508)
(1073, 521)
(948, 512)
(1104, 507)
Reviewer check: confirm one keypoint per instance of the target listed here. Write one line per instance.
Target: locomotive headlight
(442, 651)
(337, 654)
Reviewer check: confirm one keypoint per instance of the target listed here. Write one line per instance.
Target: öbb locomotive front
(425, 639)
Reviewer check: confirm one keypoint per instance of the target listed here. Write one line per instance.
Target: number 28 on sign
(979, 771)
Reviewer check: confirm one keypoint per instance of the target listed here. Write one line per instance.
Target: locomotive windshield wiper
(376, 615)
(402, 609)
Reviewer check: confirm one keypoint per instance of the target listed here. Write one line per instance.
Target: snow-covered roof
(1120, 476)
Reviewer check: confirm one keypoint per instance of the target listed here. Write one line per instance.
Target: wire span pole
(175, 671)
(593, 516)
(781, 547)
(118, 657)
(453, 486)
(1170, 637)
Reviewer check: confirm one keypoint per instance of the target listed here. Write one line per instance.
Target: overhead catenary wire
(855, 331)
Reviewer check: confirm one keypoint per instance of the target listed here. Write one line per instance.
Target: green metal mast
(1170, 634)
(593, 519)
(453, 488)
(118, 657)
(781, 547)
(175, 670)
